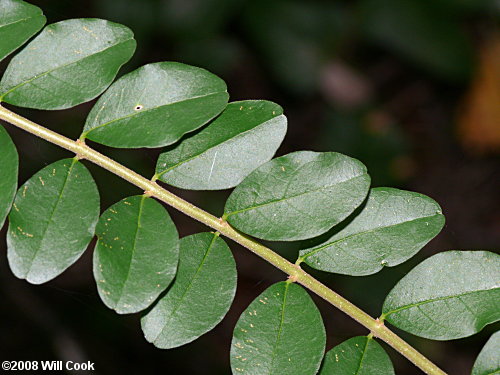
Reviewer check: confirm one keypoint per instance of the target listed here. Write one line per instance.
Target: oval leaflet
(200, 296)
(280, 332)
(136, 256)
(53, 220)
(297, 196)
(450, 295)
(391, 227)
(155, 105)
(68, 63)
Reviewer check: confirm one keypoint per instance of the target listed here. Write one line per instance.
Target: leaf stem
(375, 326)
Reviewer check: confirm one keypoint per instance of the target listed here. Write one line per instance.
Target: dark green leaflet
(18, 22)
(52, 222)
(137, 253)
(9, 164)
(155, 106)
(390, 228)
(68, 63)
(297, 196)
(357, 356)
(200, 296)
(450, 295)
(281, 332)
(244, 136)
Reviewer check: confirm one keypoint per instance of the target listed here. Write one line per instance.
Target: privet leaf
(450, 295)
(392, 227)
(9, 164)
(488, 361)
(156, 105)
(69, 63)
(200, 296)
(18, 22)
(220, 156)
(137, 253)
(357, 356)
(298, 196)
(52, 222)
(281, 332)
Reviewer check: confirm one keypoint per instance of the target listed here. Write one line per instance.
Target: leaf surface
(9, 165)
(391, 227)
(450, 295)
(357, 356)
(68, 63)
(156, 105)
(200, 296)
(137, 254)
(488, 360)
(52, 222)
(244, 136)
(298, 196)
(19, 21)
(280, 332)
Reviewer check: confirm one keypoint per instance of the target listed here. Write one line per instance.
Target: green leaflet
(450, 295)
(392, 227)
(137, 253)
(69, 63)
(52, 222)
(488, 361)
(281, 332)
(18, 22)
(155, 106)
(298, 196)
(220, 156)
(357, 356)
(9, 164)
(200, 296)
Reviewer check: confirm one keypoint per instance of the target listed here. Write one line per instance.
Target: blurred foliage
(410, 87)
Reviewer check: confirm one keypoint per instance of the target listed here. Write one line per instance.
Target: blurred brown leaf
(479, 121)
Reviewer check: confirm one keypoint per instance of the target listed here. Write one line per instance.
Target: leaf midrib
(416, 304)
(20, 20)
(363, 355)
(191, 282)
(132, 253)
(293, 196)
(280, 327)
(61, 67)
(150, 109)
(316, 250)
(59, 197)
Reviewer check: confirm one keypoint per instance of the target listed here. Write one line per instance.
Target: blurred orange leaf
(479, 121)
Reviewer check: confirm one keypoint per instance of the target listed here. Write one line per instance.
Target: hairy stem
(296, 274)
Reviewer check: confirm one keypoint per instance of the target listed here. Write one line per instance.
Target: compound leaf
(156, 105)
(69, 63)
(19, 21)
(488, 361)
(220, 156)
(450, 295)
(9, 165)
(357, 356)
(53, 221)
(200, 296)
(137, 253)
(298, 196)
(392, 226)
(280, 332)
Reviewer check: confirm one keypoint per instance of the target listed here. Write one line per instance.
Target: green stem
(297, 274)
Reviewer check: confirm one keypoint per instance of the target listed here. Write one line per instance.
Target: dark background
(410, 87)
